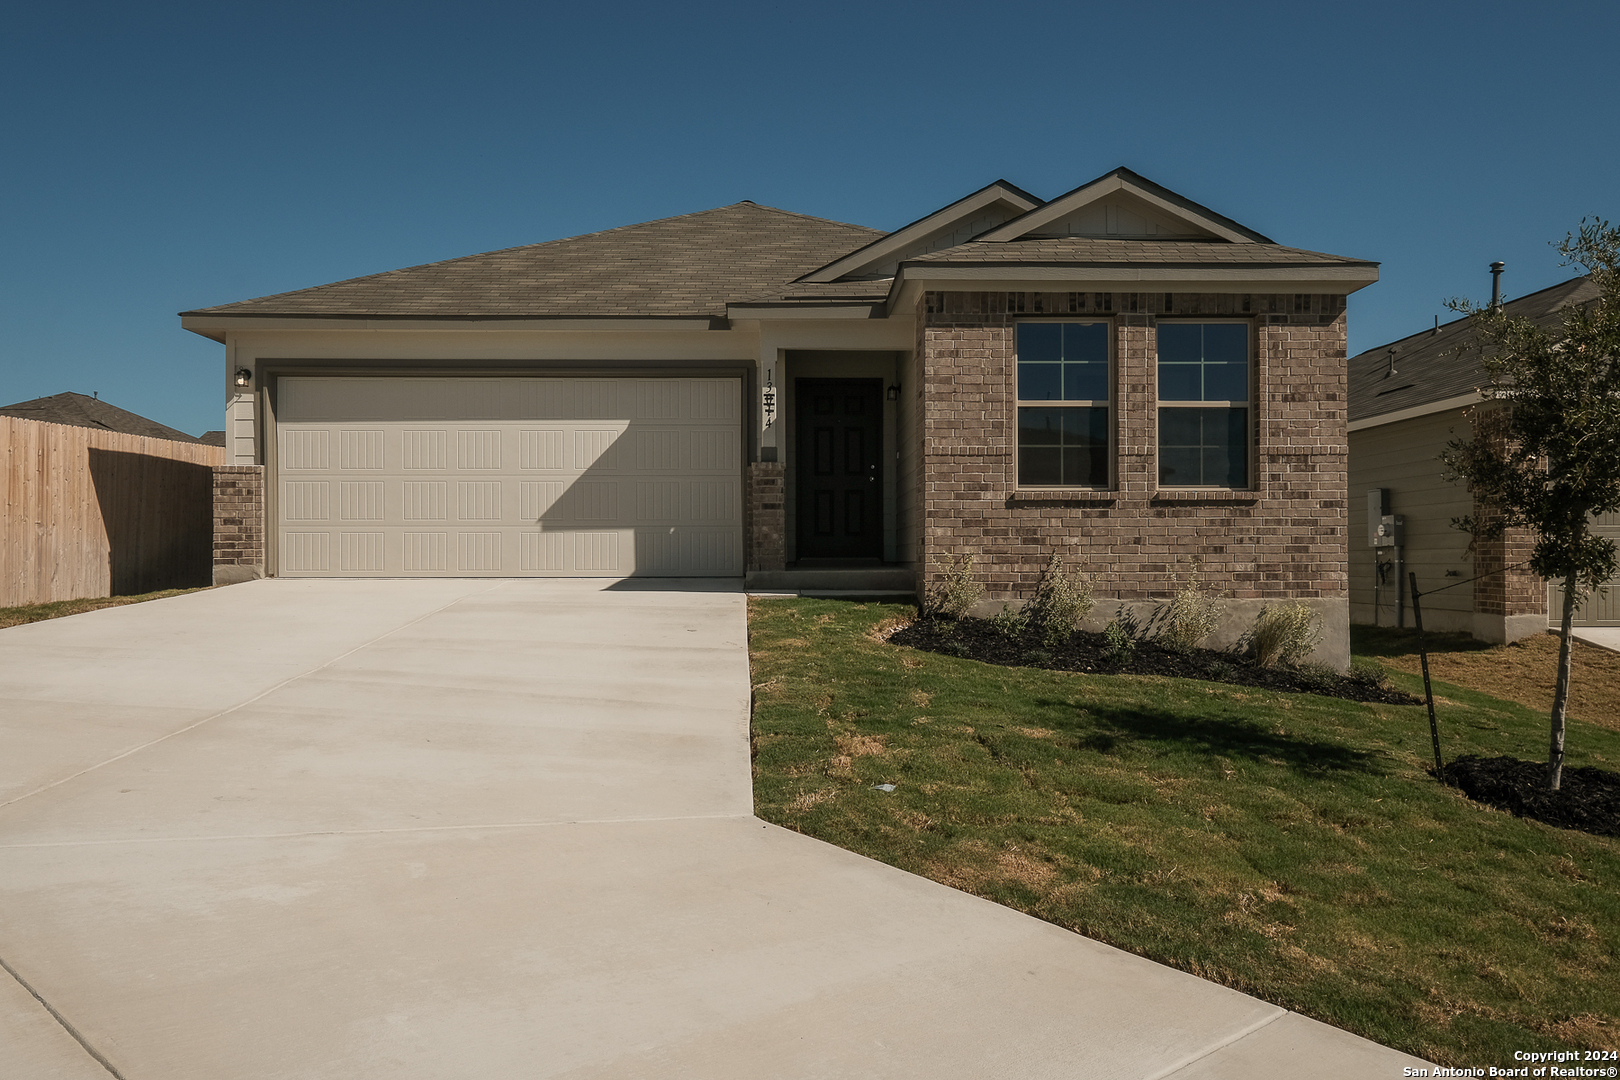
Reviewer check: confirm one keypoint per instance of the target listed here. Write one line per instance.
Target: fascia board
(1461, 401)
(806, 311)
(1068, 204)
(881, 249)
(212, 325)
(1146, 278)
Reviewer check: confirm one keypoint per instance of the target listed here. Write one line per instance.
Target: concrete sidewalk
(470, 829)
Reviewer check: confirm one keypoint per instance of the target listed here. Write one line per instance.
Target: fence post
(1423, 655)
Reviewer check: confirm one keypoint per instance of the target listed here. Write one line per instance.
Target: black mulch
(982, 640)
(1587, 799)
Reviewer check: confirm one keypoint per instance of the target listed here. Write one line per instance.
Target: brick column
(1508, 603)
(238, 523)
(767, 516)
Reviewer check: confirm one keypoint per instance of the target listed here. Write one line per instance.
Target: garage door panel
(511, 476)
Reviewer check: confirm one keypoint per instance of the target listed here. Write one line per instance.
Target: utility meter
(1391, 531)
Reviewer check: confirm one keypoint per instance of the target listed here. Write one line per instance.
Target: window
(1063, 393)
(1203, 404)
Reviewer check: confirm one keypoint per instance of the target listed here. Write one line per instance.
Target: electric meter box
(1391, 531)
(1384, 529)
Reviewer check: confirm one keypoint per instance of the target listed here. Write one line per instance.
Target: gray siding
(1405, 458)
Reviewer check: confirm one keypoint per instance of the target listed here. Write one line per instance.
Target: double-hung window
(1063, 398)
(1204, 404)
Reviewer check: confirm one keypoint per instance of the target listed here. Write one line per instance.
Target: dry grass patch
(1524, 671)
(56, 609)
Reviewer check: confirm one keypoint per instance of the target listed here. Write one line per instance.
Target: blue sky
(161, 157)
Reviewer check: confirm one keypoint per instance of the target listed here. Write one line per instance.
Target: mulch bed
(1587, 799)
(980, 639)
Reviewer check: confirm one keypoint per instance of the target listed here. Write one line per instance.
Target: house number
(769, 399)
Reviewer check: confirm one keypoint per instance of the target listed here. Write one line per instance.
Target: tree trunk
(1555, 752)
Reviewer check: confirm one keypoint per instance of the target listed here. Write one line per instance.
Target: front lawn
(1287, 845)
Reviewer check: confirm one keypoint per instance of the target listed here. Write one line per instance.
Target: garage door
(505, 477)
(1602, 607)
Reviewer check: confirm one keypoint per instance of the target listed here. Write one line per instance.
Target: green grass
(1286, 845)
(56, 609)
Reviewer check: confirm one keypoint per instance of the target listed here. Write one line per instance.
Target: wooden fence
(88, 513)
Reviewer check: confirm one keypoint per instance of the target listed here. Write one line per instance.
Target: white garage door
(503, 477)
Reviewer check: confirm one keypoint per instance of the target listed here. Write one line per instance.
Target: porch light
(893, 393)
(244, 377)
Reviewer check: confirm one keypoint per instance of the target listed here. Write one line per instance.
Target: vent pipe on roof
(1393, 349)
(1496, 284)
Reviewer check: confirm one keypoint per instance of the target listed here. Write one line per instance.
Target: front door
(839, 471)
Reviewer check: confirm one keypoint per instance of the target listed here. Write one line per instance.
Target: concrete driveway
(402, 829)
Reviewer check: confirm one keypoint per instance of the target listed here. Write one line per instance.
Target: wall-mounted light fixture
(244, 377)
(893, 393)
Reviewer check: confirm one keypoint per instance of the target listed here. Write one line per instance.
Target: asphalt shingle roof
(81, 410)
(1091, 251)
(690, 265)
(1428, 365)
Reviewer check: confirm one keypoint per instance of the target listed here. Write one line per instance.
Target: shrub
(1061, 600)
(1118, 643)
(1370, 672)
(954, 591)
(1009, 623)
(1037, 658)
(1285, 634)
(1192, 617)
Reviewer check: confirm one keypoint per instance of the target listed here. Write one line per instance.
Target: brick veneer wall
(238, 523)
(1286, 538)
(766, 527)
(1503, 586)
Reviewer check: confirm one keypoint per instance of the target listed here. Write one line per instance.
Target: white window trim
(1110, 403)
(1159, 405)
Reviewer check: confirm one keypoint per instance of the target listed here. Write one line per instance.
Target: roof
(1093, 251)
(212, 438)
(80, 410)
(767, 263)
(688, 266)
(1431, 367)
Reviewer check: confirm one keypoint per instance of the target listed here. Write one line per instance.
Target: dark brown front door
(840, 468)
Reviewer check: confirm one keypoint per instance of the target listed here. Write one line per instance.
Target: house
(1119, 373)
(1408, 399)
(89, 411)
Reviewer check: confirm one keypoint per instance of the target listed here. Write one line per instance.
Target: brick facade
(1503, 585)
(239, 530)
(765, 530)
(1285, 538)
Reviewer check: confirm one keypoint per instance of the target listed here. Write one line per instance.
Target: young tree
(1546, 448)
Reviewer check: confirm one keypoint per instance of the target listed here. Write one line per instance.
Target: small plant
(1061, 600)
(1118, 645)
(1192, 616)
(1285, 634)
(1009, 623)
(956, 648)
(1370, 672)
(1038, 658)
(954, 591)
(1317, 678)
(1219, 671)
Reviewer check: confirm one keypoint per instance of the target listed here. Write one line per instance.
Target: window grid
(1205, 404)
(1064, 373)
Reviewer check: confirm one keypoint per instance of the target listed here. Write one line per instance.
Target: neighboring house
(1119, 374)
(1408, 399)
(81, 410)
(212, 438)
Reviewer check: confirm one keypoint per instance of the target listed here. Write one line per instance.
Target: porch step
(879, 579)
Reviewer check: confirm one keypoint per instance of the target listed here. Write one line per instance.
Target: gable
(1122, 217)
(991, 206)
(1122, 205)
